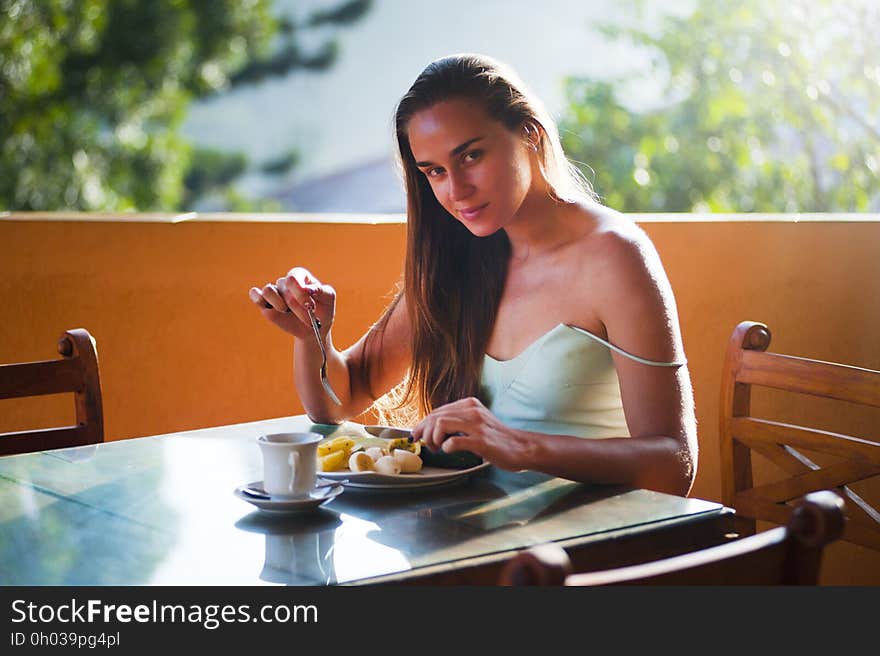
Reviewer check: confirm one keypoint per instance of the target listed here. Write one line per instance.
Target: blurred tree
(210, 169)
(281, 164)
(92, 94)
(769, 107)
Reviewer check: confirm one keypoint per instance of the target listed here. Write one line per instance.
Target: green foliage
(770, 107)
(93, 93)
(281, 164)
(211, 169)
(344, 14)
(235, 202)
(289, 55)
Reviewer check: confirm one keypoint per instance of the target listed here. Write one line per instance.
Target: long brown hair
(453, 281)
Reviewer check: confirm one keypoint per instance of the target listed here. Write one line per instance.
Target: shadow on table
(442, 527)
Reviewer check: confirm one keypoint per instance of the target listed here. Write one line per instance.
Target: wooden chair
(747, 364)
(76, 372)
(788, 555)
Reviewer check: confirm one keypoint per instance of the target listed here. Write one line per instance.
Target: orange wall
(181, 347)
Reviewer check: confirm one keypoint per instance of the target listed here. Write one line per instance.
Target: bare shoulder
(615, 251)
(635, 300)
(620, 241)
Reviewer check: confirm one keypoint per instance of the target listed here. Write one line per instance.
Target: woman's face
(479, 170)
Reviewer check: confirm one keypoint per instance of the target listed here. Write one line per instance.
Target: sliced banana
(409, 462)
(387, 465)
(375, 453)
(360, 462)
(332, 461)
(327, 447)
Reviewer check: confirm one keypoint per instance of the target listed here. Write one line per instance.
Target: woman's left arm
(638, 310)
(637, 307)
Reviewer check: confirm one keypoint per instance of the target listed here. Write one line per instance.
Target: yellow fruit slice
(332, 461)
(336, 444)
(402, 443)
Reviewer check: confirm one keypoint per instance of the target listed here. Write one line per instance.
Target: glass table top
(161, 511)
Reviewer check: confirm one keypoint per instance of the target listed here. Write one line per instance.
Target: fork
(326, 383)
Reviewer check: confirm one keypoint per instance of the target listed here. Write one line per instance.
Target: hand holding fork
(292, 304)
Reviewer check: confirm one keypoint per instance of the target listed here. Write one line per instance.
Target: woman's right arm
(360, 374)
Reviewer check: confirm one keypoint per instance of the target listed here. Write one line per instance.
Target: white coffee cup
(289, 462)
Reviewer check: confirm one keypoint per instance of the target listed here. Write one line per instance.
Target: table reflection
(298, 548)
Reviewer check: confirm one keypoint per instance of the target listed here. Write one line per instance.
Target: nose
(459, 186)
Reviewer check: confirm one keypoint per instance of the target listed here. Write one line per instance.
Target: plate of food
(389, 458)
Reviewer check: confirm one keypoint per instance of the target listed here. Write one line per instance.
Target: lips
(471, 213)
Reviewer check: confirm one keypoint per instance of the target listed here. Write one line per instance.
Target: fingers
(304, 279)
(300, 289)
(445, 427)
(295, 288)
(321, 299)
(435, 430)
(462, 442)
(324, 295)
(273, 297)
(256, 297)
(294, 292)
(270, 300)
(296, 298)
(450, 425)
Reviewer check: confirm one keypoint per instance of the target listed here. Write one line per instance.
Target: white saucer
(304, 503)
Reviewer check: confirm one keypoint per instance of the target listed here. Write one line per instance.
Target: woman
(535, 327)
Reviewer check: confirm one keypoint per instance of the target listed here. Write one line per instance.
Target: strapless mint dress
(563, 383)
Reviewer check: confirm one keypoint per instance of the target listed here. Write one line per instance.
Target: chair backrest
(77, 372)
(747, 364)
(788, 555)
